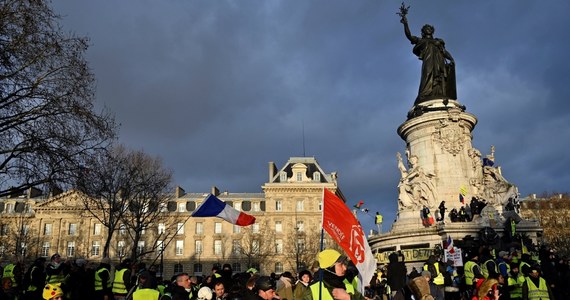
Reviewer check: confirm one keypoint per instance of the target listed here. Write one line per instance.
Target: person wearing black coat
(396, 274)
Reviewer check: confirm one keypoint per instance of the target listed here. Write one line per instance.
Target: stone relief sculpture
(438, 66)
(416, 188)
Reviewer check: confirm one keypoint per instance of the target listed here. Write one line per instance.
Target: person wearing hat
(52, 292)
(535, 287)
(302, 284)
(515, 282)
(55, 270)
(331, 282)
(265, 288)
(472, 272)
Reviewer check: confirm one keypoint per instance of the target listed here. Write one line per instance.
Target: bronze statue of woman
(438, 67)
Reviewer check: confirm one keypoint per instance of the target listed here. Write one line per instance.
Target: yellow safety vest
(540, 292)
(438, 279)
(516, 284)
(325, 292)
(55, 278)
(469, 274)
(484, 270)
(9, 273)
(119, 286)
(146, 294)
(99, 281)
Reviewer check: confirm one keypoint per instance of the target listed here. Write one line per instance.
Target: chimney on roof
(179, 192)
(215, 191)
(272, 170)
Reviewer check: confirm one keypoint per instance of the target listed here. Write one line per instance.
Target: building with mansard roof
(285, 236)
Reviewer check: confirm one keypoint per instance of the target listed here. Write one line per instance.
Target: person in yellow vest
(535, 287)
(437, 282)
(515, 282)
(10, 271)
(103, 282)
(330, 280)
(378, 221)
(56, 270)
(35, 279)
(146, 289)
(52, 292)
(472, 272)
(122, 280)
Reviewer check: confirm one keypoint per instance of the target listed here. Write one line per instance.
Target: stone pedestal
(441, 164)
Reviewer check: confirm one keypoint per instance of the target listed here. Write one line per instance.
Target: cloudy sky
(218, 89)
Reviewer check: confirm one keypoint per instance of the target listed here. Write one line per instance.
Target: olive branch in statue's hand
(403, 12)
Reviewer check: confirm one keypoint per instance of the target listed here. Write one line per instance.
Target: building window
(300, 205)
(9, 208)
(300, 226)
(199, 228)
(236, 267)
(321, 205)
(45, 249)
(299, 176)
(140, 247)
(122, 229)
(179, 247)
(279, 246)
(121, 249)
(47, 229)
(198, 247)
(237, 205)
(72, 229)
(317, 176)
(278, 205)
(161, 228)
(27, 208)
(283, 177)
(180, 228)
(217, 247)
(278, 267)
(25, 229)
(70, 249)
(4, 229)
(197, 269)
(218, 227)
(159, 245)
(178, 268)
(97, 229)
(255, 206)
(95, 248)
(255, 247)
(236, 247)
(255, 228)
(278, 226)
(300, 244)
(237, 229)
(181, 207)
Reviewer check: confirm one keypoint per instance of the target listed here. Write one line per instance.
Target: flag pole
(322, 246)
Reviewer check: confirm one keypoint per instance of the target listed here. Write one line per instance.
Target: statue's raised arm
(438, 71)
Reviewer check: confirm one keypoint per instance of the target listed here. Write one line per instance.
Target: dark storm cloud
(219, 88)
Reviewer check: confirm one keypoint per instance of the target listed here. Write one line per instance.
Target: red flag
(345, 229)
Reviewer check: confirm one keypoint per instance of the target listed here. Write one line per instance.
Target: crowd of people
(483, 275)
(486, 274)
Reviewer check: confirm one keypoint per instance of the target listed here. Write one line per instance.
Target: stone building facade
(285, 236)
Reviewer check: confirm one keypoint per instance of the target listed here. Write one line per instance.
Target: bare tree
(18, 239)
(48, 125)
(257, 245)
(125, 188)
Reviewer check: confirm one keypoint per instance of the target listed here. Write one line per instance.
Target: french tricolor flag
(214, 207)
